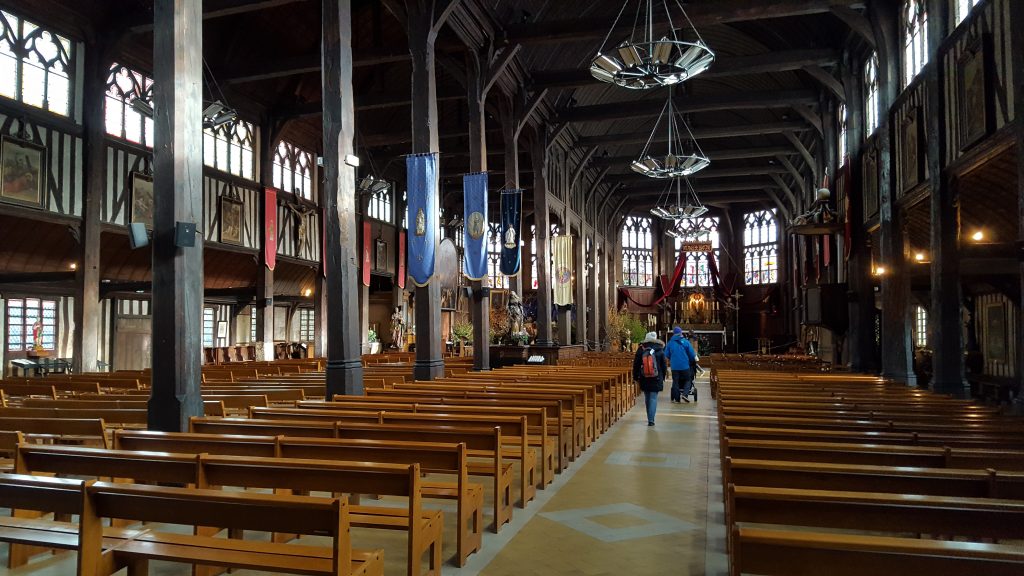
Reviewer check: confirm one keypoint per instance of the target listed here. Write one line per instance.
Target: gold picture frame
(142, 199)
(231, 221)
(22, 177)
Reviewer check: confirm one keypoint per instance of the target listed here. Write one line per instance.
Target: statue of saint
(515, 315)
(510, 237)
(37, 335)
(398, 328)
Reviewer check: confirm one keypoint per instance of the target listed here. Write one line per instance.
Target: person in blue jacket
(682, 357)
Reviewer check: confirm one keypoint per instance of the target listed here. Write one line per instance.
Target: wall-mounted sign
(695, 246)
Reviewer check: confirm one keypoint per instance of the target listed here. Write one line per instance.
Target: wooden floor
(642, 500)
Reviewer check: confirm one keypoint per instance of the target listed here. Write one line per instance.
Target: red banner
(401, 260)
(367, 242)
(270, 227)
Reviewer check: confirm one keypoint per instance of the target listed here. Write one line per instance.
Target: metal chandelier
(683, 156)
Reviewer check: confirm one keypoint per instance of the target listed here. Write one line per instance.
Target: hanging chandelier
(643, 61)
(684, 155)
(681, 210)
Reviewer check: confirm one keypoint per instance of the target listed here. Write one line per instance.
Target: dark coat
(650, 384)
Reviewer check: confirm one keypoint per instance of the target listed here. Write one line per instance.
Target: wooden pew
(978, 440)
(64, 430)
(790, 553)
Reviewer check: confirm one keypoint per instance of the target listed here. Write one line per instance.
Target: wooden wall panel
(984, 305)
(63, 193)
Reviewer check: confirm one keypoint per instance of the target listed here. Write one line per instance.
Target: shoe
(650, 423)
(685, 399)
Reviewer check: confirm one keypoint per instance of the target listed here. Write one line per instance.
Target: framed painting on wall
(22, 178)
(142, 199)
(995, 333)
(910, 162)
(972, 94)
(230, 221)
(380, 255)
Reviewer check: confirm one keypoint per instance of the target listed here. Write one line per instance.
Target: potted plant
(373, 343)
(462, 332)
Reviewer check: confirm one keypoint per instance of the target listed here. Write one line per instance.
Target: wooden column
(593, 333)
(526, 264)
(579, 252)
(177, 197)
(510, 137)
(539, 159)
(270, 131)
(87, 277)
(1017, 39)
(422, 27)
(344, 364)
(896, 318)
(944, 323)
(480, 304)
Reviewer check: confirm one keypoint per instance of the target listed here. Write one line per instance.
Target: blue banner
(421, 170)
(511, 226)
(474, 203)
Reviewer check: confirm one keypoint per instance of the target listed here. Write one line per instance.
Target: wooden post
(897, 360)
(269, 133)
(480, 304)
(1017, 39)
(510, 138)
(593, 302)
(177, 197)
(87, 277)
(526, 257)
(579, 250)
(944, 326)
(344, 364)
(541, 218)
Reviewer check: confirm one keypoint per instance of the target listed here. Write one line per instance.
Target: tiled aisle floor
(646, 500)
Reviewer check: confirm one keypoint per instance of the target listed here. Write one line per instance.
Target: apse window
(379, 207)
(229, 148)
(637, 252)
(293, 170)
(963, 8)
(843, 125)
(307, 324)
(920, 327)
(208, 322)
(497, 279)
(128, 105)
(252, 324)
(760, 248)
(915, 39)
(871, 88)
(697, 270)
(35, 65)
(31, 321)
(533, 257)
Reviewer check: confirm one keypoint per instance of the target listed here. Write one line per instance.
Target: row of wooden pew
(840, 474)
(525, 424)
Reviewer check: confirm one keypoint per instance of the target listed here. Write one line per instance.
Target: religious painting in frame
(870, 179)
(23, 178)
(996, 333)
(222, 329)
(380, 255)
(910, 161)
(142, 199)
(971, 93)
(230, 221)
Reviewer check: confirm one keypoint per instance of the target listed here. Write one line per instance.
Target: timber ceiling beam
(725, 66)
(498, 65)
(701, 133)
(529, 110)
(691, 104)
(858, 23)
(662, 188)
(714, 155)
(219, 9)
(744, 171)
(704, 14)
(826, 79)
(367, 101)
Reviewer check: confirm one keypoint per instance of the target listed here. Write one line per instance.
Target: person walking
(682, 357)
(649, 370)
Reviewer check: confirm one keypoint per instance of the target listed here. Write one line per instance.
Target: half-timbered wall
(997, 320)
(910, 139)
(63, 158)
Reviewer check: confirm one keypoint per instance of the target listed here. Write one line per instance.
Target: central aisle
(642, 500)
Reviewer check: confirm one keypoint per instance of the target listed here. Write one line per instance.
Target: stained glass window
(22, 315)
(252, 324)
(963, 8)
(637, 252)
(208, 316)
(498, 280)
(293, 170)
(122, 118)
(843, 124)
(920, 327)
(229, 148)
(380, 205)
(760, 248)
(35, 65)
(698, 270)
(915, 39)
(871, 103)
(307, 317)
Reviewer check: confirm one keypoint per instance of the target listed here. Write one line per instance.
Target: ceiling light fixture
(643, 61)
(683, 156)
(692, 208)
(978, 236)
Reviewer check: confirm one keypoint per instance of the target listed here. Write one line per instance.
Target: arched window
(698, 269)
(920, 327)
(35, 65)
(963, 8)
(498, 280)
(533, 257)
(637, 252)
(871, 110)
(760, 248)
(293, 170)
(380, 205)
(123, 120)
(915, 39)
(843, 124)
(229, 148)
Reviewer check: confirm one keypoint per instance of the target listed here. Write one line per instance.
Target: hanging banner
(511, 222)
(401, 260)
(366, 265)
(270, 227)
(421, 170)
(474, 203)
(563, 269)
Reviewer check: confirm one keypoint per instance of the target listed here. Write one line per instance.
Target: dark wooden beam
(724, 67)
(720, 12)
(858, 23)
(395, 138)
(529, 110)
(478, 81)
(661, 188)
(498, 66)
(177, 198)
(220, 9)
(541, 235)
(701, 133)
(714, 155)
(709, 173)
(828, 81)
(35, 277)
(690, 104)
